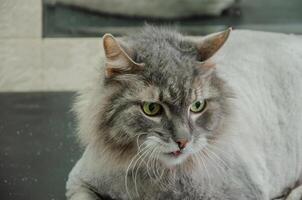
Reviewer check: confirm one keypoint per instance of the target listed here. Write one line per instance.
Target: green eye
(198, 106)
(151, 109)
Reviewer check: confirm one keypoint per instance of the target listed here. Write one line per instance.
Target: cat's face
(174, 116)
(162, 103)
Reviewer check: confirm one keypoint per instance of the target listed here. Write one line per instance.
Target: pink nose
(182, 143)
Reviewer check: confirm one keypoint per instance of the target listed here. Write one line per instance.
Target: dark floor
(37, 145)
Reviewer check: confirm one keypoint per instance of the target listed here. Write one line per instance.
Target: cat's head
(160, 96)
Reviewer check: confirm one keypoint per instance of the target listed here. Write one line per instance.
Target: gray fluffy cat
(174, 118)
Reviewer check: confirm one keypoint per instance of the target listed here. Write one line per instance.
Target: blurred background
(90, 18)
(49, 48)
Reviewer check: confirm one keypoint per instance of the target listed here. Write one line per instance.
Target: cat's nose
(182, 143)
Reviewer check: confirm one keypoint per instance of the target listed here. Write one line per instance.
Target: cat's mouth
(173, 158)
(175, 153)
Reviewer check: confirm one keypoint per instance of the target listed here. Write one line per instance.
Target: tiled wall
(30, 63)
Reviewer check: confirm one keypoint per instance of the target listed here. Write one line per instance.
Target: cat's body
(259, 154)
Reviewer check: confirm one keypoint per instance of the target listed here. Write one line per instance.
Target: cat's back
(265, 72)
(263, 68)
(256, 55)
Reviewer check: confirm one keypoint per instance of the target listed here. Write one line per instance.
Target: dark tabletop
(37, 145)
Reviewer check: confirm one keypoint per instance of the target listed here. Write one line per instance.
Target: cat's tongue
(176, 153)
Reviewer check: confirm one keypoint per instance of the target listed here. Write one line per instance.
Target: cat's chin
(171, 160)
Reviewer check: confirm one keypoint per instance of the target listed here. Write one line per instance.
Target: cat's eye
(151, 108)
(198, 106)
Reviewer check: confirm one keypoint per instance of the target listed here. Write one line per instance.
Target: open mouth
(175, 153)
(174, 158)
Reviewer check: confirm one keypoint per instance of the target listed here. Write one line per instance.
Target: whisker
(152, 160)
(227, 155)
(217, 166)
(128, 168)
(160, 175)
(137, 143)
(136, 167)
(217, 157)
(156, 162)
(147, 164)
(201, 158)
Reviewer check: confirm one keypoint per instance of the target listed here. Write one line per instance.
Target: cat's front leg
(78, 189)
(80, 192)
(83, 195)
(295, 194)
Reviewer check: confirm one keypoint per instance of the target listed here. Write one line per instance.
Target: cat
(175, 117)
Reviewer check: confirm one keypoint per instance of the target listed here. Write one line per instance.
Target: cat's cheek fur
(212, 117)
(208, 121)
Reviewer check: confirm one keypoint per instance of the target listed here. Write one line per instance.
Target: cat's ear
(117, 60)
(210, 44)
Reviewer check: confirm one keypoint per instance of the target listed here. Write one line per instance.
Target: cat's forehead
(169, 82)
(171, 92)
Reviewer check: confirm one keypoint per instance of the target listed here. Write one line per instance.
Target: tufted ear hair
(117, 60)
(210, 44)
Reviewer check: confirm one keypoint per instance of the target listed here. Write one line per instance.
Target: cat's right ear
(210, 44)
(117, 60)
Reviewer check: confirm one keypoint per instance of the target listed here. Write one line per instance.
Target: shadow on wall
(91, 18)
(154, 8)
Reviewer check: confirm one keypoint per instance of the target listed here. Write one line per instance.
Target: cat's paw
(295, 194)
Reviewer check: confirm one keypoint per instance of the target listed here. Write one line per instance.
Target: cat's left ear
(118, 61)
(210, 44)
